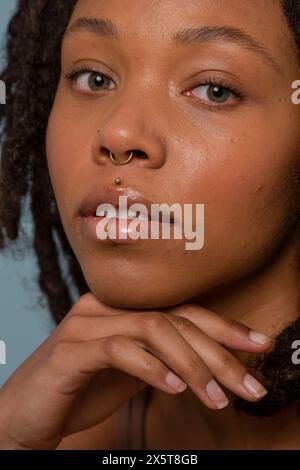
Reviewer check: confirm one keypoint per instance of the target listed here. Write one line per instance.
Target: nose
(131, 133)
(133, 153)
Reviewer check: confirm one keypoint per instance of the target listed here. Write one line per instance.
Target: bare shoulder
(99, 437)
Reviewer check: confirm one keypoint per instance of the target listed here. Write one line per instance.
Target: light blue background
(24, 324)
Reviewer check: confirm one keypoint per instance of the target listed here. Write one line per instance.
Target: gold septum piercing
(120, 163)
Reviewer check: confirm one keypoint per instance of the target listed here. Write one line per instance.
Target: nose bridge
(136, 107)
(135, 121)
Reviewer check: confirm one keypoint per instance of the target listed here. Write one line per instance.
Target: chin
(136, 299)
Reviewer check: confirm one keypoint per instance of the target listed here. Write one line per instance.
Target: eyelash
(72, 75)
(211, 81)
(77, 71)
(219, 82)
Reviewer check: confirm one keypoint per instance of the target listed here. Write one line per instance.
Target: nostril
(139, 153)
(104, 151)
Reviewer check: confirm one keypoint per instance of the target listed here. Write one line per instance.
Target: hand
(226, 368)
(99, 356)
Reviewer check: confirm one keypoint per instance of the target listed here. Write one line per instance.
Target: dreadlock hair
(31, 76)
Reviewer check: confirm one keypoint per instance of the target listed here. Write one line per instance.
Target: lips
(106, 194)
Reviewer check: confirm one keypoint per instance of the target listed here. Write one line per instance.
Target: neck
(266, 301)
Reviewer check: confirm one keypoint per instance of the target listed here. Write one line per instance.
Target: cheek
(68, 154)
(245, 185)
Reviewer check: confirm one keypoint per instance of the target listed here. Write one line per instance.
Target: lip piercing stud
(118, 181)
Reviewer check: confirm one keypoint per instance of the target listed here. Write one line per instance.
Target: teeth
(123, 214)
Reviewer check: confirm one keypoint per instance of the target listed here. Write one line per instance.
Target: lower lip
(89, 230)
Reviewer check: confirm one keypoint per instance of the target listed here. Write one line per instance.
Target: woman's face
(234, 149)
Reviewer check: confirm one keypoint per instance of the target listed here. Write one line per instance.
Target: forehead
(154, 22)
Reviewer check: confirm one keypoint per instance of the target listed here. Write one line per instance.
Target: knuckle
(183, 325)
(227, 365)
(148, 365)
(153, 322)
(114, 346)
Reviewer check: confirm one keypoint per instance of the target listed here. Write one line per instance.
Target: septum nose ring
(112, 157)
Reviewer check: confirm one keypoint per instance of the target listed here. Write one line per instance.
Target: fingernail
(258, 338)
(216, 394)
(254, 387)
(175, 383)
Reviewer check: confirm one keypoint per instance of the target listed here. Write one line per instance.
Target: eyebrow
(196, 35)
(100, 26)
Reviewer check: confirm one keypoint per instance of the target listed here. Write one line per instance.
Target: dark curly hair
(31, 76)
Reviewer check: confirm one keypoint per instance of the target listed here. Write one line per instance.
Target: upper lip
(106, 194)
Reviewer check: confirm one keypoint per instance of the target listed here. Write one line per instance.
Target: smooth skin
(177, 310)
(79, 389)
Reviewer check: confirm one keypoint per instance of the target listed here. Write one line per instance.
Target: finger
(155, 334)
(228, 332)
(226, 368)
(167, 346)
(77, 362)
